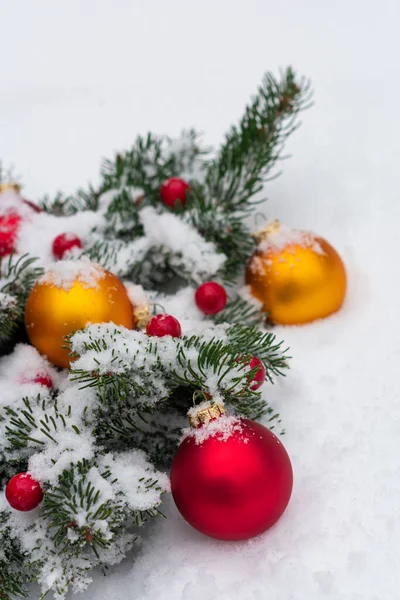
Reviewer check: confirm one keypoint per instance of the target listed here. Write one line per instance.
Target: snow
(168, 230)
(64, 105)
(64, 273)
(222, 428)
(276, 236)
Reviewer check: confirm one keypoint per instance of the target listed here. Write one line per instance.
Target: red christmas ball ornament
(231, 478)
(161, 325)
(173, 192)
(64, 242)
(210, 297)
(9, 225)
(23, 492)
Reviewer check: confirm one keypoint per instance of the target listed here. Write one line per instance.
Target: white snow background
(80, 79)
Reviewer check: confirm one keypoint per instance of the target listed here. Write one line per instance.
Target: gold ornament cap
(142, 316)
(7, 186)
(263, 234)
(204, 413)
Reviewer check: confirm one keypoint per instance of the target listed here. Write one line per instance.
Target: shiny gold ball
(58, 306)
(298, 279)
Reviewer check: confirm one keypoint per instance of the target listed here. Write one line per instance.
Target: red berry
(64, 242)
(161, 325)
(259, 377)
(23, 492)
(173, 192)
(9, 225)
(43, 379)
(210, 298)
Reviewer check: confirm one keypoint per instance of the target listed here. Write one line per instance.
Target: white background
(80, 79)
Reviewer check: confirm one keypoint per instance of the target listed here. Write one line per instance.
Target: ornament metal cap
(142, 316)
(6, 186)
(264, 233)
(204, 413)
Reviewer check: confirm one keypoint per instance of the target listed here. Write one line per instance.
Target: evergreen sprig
(132, 391)
(252, 149)
(17, 277)
(222, 189)
(194, 364)
(11, 563)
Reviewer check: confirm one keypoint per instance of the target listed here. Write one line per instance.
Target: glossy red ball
(210, 297)
(23, 492)
(232, 489)
(173, 192)
(9, 225)
(259, 377)
(64, 242)
(161, 325)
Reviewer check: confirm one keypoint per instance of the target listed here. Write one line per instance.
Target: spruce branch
(140, 368)
(241, 312)
(17, 277)
(11, 563)
(251, 149)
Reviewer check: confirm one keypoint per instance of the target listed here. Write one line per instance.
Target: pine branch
(11, 564)
(62, 205)
(251, 150)
(240, 312)
(151, 161)
(143, 367)
(17, 277)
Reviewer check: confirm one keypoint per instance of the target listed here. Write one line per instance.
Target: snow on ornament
(231, 478)
(71, 295)
(23, 493)
(297, 276)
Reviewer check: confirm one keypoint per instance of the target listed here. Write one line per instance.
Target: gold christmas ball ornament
(298, 277)
(70, 296)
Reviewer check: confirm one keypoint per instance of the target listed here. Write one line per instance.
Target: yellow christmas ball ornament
(69, 297)
(297, 276)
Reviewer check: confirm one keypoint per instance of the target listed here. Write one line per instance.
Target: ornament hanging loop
(142, 316)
